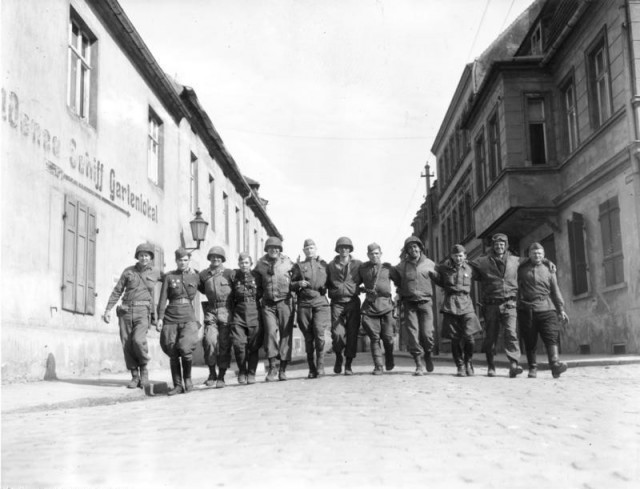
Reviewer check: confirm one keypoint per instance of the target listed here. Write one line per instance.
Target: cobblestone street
(396, 430)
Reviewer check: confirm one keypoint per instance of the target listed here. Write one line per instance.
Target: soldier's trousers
(380, 328)
(278, 329)
(497, 317)
(345, 322)
(247, 333)
(313, 322)
(544, 323)
(216, 343)
(418, 321)
(134, 324)
(179, 340)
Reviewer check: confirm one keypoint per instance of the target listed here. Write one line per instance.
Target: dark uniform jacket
(244, 286)
(179, 288)
(412, 279)
(137, 284)
(343, 280)
(538, 288)
(376, 280)
(456, 283)
(499, 278)
(314, 271)
(273, 278)
(216, 285)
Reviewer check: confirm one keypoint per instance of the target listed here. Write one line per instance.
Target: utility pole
(427, 175)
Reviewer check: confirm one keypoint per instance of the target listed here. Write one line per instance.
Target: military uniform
(345, 309)
(539, 304)
(273, 280)
(416, 291)
(136, 287)
(499, 281)
(313, 309)
(377, 311)
(215, 283)
(179, 335)
(246, 325)
(460, 322)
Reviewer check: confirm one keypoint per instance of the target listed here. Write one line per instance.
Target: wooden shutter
(82, 236)
(578, 254)
(70, 218)
(90, 303)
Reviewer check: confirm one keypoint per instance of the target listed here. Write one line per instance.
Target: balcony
(520, 200)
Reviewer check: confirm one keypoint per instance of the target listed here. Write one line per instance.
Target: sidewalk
(110, 388)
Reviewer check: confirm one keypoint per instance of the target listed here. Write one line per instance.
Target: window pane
(536, 109)
(536, 138)
(73, 80)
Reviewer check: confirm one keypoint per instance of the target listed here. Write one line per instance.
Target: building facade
(548, 118)
(101, 151)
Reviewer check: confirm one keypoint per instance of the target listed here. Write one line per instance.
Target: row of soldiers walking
(254, 307)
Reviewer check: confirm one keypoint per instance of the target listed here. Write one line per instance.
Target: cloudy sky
(332, 105)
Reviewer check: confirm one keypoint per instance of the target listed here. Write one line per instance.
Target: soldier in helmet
(411, 276)
(377, 308)
(309, 281)
(246, 325)
(135, 312)
(215, 283)
(345, 304)
(273, 274)
(177, 320)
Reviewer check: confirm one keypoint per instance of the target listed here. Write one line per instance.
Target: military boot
(389, 363)
(211, 380)
(491, 367)
(282, 372)
(557, 367)
(376, 354)
(313, 372)
(514, 369)
(377, 369)
(176, 376)
(241, 360)
(337, 367)
(320, 362)
(272, 371)
(428, 361)
(533, 365)
(252, 366)
(419, 366)
(144, 376)
(220, 380)
(347, 366)
(468, 359)
(186, 373)
(135, 379)
(456, 352)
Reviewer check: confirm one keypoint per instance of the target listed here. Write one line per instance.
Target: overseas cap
(181, 252)
(500, 237)
(458, 248)
(308, 242)
(373, 247)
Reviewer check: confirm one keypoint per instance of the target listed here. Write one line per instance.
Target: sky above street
(332, 105)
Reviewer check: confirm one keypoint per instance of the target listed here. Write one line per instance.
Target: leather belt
(499, 301)
(136, 303)
(246, 299)
(182, 300)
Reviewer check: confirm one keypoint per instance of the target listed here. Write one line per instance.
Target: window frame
(494, 147)
(81, 68)
(155, 148)
(596, 102)
(479, 145)
(570, 113)
(193, 183)
(544, 122)
(612, 253)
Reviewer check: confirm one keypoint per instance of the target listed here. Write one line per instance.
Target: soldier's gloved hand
(159, 325)
(106, 317)
(562, 316)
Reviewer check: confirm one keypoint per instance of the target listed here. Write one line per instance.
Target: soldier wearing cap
(177, 320)
(247, 332)
(460, 322)
(309, 281)
(497, 273)
(377, 308)
(136, 287)
(411, 276)
(273, 275)
(215, 283)
(345, 304)
(540, 310)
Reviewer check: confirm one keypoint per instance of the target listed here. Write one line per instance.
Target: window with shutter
(79, 256)
(578, 254)
(611, 242)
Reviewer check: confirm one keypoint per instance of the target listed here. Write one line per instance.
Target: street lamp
(198, 229)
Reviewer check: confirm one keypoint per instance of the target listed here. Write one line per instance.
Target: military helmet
(273, 241)
(344, 241)
(411, 240)
(144, 248)
(217, 251)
